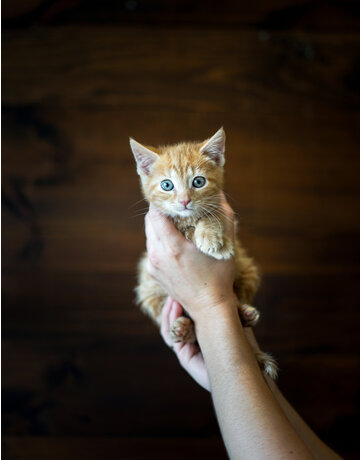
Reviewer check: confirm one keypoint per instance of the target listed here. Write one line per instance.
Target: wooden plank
(101, 305)
(275, 14)
(119, 68)
(294, 208)
(40, 448)
(64, 385)
(76, 387)
(92, 340)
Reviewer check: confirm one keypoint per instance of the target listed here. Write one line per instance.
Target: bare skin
(254, 418)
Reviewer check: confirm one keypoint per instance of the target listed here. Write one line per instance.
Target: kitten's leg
(245, 285)
(247, 277)
(182, 330)
(267, 364)
(151, 298)
(209, 237)
(150, 295)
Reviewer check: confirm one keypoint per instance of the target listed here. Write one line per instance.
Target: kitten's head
(183, 179)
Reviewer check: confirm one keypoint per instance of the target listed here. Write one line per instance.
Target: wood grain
(280, 14)
(112, 448)
(79, 359)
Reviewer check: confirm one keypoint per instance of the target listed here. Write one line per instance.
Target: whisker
(211, 214)
(219, 214)
(141, 209)
(218, 211)
(134, 204)
(229, 196)
(138, 215)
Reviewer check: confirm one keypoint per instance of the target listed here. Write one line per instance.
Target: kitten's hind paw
(249, 315)
(182, 330)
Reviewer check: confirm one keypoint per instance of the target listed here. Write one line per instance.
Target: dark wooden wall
(84, 374)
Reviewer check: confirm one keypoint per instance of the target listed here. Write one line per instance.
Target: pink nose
(185, 202)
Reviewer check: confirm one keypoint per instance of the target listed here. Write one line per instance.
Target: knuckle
(174, 251)
(150, 269)
(172, 247)
(154, 259)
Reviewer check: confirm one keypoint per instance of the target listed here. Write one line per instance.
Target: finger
(229, 213)
(165, 322)
(152, 266)
(186, 353)
(153, 246)
(151, 236)
(164, 228)
(175, 311)
(192, 360)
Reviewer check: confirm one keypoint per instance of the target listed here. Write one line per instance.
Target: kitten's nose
(185, 202)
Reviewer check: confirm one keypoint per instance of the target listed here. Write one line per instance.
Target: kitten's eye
(199, 182)
(167, 185)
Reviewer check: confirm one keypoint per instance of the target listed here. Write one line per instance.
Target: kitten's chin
(186, 212)
(181, 213)
(175, 213)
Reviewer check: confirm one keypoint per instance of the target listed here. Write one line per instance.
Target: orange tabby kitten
(184, 181)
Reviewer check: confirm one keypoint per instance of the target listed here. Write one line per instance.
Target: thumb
(164, 227)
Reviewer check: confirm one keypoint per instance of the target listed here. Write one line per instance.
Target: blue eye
(199, 181)
(167, 185)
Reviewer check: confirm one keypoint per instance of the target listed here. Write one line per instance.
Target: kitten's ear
(144, 157)
(214, 148)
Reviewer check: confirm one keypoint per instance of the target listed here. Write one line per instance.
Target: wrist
(216, 309)
(220, 334)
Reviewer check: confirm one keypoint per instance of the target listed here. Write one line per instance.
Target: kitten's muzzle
(185, 203)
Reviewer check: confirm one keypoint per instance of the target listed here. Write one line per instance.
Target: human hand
(188, 354)
(197, 281)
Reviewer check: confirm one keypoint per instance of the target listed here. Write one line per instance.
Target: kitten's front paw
(182, 330)
(217, 246)
(227, 249)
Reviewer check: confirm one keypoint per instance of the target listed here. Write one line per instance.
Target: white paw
(207, 242)
(226, 251)
(216, 246)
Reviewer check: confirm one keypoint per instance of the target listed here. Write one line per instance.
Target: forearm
(318, 448)
(251, 421)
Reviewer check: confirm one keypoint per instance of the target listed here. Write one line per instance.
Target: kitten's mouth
(185, 211)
